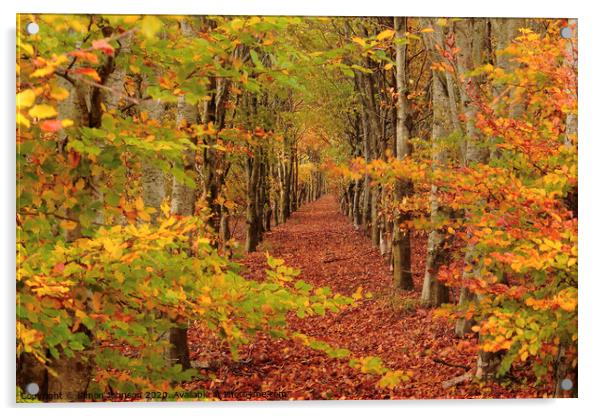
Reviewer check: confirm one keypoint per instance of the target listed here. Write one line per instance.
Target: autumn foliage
(146, 144)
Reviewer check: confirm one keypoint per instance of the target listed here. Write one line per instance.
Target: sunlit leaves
(514, 217)
(150, 25)
(42, 111)
(25, 99)
(385, 34)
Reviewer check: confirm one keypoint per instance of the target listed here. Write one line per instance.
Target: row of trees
(471, 138)
(139, 139)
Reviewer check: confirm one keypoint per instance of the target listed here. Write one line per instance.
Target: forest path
(322, 242)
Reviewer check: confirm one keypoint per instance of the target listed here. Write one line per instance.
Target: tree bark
(401, 246)
(183, 203)
(434, 292)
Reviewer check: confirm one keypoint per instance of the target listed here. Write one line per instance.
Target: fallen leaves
(391, 327)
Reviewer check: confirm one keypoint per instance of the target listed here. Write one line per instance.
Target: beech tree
(156, 153)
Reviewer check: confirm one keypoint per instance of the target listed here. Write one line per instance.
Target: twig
(440, 361)
(335, 259)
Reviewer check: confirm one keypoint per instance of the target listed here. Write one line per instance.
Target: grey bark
(434, 292)
(401, 246)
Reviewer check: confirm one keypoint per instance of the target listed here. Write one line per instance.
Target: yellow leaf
(144, 216)
(358, 293)
(388, 66)
(22, 120)
(236, 24)
(359, 41)
(68, 225)
(488, 68)
(42, 111)
(385, 34)
(59, 93)
(26, 47)
(66, 122)
(97, 301)
(165, 208)
(150, 25)
(80, 184)
(428, 30)
(25, 99)
(139, 204)
(130, 18)
(42, 72)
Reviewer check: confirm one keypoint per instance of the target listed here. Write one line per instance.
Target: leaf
(42, 111)
(51, 125)
(103, 46)
(89, 72)
(22, 120)
(150, 25)
(68, 225)
(385, 34)
(86, 56)
(359, 41)
(59, 93)
(139, 204)
(428, 30)
(42, 72)
(25, 99)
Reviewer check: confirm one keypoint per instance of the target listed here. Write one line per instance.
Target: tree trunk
(252, 220)
(183, 203)
(401, 247)
(434, 292)
(470, 35)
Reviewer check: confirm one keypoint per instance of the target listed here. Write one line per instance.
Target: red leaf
(58, 268)
(73, 158)
(103, 46)
(51, 125)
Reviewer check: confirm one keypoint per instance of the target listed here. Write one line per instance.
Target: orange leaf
(86, 56)
(51, 125)
(89, 72)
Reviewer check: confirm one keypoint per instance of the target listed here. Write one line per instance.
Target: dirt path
(324, 245)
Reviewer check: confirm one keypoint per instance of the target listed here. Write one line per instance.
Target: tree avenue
(157, 154)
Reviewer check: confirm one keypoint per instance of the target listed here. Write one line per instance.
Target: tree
(402, 265)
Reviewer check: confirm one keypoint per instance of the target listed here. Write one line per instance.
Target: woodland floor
(322, 242)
